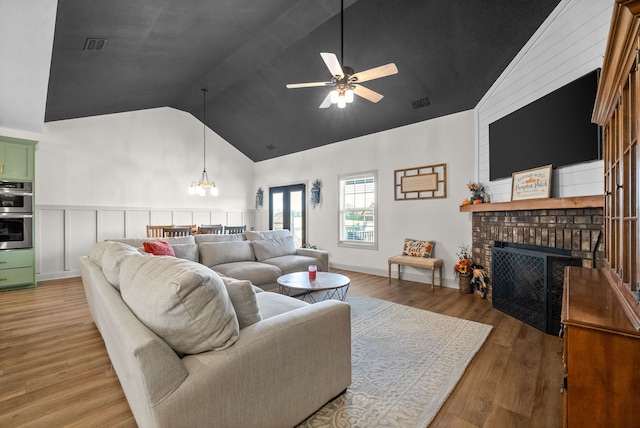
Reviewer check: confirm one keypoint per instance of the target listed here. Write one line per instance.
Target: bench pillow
(417, 248)
(217, 253)
(270, 248)
(183, 302)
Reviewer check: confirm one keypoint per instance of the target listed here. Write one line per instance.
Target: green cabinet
(16, 159)
(17, 269)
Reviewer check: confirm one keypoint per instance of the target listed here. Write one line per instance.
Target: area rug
(405, 363)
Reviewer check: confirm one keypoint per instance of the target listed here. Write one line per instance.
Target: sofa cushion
(216, 253)
(208, 237)
(184, 247)
(186, 251)
(243, 297)
(295, 263)
(269, 248)
(256, 272)
(272, 304)
(158, 248)
(253, 235)
(109, 256)
(183, 302)
(417, 248)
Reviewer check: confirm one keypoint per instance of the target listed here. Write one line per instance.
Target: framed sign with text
(422, 182)
(531, 184)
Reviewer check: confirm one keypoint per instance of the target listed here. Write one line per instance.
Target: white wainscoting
(64, 233)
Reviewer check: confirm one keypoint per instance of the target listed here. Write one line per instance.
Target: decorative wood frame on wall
(422, 182)
(531, 184)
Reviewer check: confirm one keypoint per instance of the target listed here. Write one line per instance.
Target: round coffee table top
(323, 281)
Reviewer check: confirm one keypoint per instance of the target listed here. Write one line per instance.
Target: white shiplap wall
(569, 44)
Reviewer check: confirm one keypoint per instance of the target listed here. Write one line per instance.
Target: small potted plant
(462, 269)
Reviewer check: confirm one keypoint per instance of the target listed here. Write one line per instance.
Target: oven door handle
(16, 215)
(16, 192)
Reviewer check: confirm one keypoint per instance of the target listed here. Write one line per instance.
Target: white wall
(26, 41)
(444, 140)
(570, 44)
(109, 176)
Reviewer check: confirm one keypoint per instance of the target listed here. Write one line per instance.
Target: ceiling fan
(345, 81)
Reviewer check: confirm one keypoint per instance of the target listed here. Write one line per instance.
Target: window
(358, 218)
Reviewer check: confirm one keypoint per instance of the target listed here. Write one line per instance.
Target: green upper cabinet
(16, 159)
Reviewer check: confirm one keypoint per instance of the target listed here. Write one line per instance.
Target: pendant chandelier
(204, 184)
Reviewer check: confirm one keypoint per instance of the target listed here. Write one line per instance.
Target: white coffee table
(298, 284)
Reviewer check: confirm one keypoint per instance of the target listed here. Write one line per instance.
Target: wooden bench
(430, 263)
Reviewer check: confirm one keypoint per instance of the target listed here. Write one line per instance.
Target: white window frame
(342, 242)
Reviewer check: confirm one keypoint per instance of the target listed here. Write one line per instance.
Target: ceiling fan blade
(331, 60)
(326, 103)
(308, 85)
(375, 73)
(367, 94)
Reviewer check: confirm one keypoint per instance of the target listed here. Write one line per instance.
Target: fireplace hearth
(528, 281)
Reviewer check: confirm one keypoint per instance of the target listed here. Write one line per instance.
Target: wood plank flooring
(55, 371)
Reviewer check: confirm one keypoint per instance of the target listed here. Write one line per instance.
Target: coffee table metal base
(299, 285)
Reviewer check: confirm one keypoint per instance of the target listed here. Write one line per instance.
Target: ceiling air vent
(94, 44)
(270, 147)
(421, 103)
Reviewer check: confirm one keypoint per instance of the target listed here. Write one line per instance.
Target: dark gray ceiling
(162, 52)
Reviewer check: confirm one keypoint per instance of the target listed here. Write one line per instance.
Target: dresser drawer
(18, 276)
(10, 259)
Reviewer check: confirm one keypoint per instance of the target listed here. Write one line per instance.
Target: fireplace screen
(527, 284)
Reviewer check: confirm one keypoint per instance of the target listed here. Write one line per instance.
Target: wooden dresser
(601, 309)
(601, 376)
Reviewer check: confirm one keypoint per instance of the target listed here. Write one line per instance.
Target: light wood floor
(54, 369)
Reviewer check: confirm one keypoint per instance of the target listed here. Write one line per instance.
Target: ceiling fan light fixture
(348, 95)
(334, 96)
(342, 101)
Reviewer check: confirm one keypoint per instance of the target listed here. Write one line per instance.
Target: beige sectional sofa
(260, 257)
(194, 349)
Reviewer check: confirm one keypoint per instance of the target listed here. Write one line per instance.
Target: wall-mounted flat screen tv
(555, 129)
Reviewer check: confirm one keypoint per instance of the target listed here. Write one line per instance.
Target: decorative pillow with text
(416, 248)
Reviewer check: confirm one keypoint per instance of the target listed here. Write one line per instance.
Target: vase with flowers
(462, 269)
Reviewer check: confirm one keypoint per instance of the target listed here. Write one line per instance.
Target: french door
(287, 211)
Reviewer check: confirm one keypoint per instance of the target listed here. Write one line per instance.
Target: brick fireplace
(571, 224)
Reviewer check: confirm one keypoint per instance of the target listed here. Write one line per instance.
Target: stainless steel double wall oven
(16, 215)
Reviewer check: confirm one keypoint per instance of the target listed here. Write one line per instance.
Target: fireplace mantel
(594, 201)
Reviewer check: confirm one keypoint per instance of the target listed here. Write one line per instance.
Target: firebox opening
(528, 282)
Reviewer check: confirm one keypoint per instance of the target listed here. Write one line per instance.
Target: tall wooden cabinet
(601, 310)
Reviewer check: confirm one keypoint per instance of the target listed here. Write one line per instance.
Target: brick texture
(576, 230)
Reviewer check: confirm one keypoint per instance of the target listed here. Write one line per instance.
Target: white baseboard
(57, 275)
(409, 276)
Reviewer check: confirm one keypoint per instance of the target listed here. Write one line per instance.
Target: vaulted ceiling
(161, 53)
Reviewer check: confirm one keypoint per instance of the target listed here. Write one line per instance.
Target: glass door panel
(287, 211)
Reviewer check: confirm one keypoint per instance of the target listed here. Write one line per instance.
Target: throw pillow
(183, 302)
(159, 248)
(186, 251)
(417, 248)
(243, 297)
(270, 248)
(109, 256)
